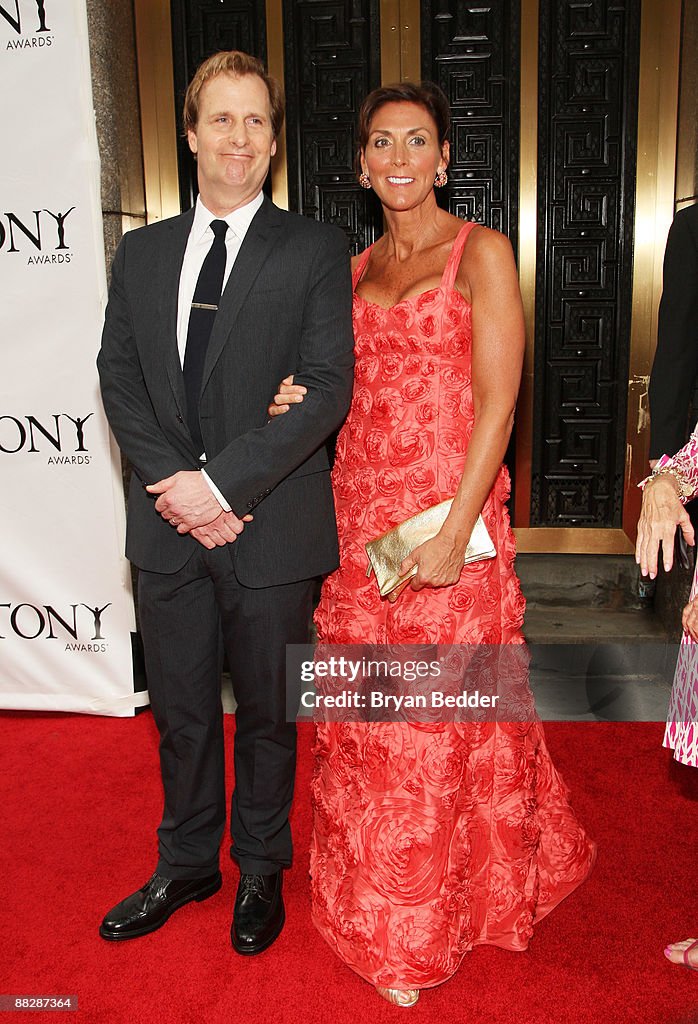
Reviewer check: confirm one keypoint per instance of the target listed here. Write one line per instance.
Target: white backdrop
(66, 610)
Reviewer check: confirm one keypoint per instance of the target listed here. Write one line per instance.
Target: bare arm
(661, 513)
(662, 509)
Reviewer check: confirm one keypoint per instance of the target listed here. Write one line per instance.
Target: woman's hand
(689, 619)
(661, 513)
(288, 394)
(439, 563)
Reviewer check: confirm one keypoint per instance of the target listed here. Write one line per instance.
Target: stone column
(115, 93)
(117, 113)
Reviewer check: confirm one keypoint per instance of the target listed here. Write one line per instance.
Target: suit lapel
(177, 243)
(258, 243)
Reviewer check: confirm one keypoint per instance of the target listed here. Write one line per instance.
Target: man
(230, 515)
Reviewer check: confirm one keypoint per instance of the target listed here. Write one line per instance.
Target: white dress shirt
(198, 245)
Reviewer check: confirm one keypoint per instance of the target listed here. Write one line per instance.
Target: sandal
(398, 996)
(686, 951)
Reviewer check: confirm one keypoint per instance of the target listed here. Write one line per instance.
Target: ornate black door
(199, 29)
(472, 52)
(332, 60)
(588, 83)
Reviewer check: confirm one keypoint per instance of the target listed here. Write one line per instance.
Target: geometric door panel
(199, 29)
(332, 60)
(588, 81)
(472, 50)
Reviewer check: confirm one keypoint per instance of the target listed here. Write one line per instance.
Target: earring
(440, 179)
(364, 180)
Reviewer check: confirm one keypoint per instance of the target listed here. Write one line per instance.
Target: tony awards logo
(28, 19)
(64, 438)
(79, 626)
(43, 238)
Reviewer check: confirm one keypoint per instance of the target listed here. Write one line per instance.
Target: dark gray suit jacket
(286, 308)
(675, 368)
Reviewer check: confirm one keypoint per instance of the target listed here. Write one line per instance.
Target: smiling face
(233, 141)
(403, 155)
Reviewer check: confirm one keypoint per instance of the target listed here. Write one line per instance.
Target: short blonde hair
(237, 63)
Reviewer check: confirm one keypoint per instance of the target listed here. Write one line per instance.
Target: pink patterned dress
(428, 839)
(681, 733)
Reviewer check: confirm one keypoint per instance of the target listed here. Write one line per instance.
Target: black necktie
(204, 307)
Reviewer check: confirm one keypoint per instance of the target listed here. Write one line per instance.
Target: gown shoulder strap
(451, 268)
(360, 267)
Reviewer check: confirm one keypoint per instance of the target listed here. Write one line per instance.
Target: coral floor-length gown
(431, 839)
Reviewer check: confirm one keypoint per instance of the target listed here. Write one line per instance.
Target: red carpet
(82, 800)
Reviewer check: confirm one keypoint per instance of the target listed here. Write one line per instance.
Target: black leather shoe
(147, 910)
(259, 913)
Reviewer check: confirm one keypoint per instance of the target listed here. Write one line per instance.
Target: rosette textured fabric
(428, 838)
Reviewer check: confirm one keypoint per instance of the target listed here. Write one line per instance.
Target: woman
(673, 482)
(430, 839)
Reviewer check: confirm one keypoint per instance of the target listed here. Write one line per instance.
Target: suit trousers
(188, 619)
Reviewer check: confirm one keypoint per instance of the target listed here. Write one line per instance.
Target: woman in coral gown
(430, 839)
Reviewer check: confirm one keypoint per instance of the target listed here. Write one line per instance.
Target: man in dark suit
(230, 515)
(675, 368)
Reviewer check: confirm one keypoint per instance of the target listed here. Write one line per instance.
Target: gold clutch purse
(385, 553)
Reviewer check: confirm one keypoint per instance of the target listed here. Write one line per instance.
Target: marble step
(592, 581)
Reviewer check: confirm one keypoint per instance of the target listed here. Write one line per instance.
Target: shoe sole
(198, 897)
(248, 951)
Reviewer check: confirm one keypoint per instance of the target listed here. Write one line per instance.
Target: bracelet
(684, 488)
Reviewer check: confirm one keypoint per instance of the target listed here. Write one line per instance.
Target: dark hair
(425, 94)
(238, 64)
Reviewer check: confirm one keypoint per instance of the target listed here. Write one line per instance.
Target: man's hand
(223, 530)
(186, 501)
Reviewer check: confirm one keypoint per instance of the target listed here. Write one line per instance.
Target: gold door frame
(654, 209)
(400, 41)
(660, 35)
(660, 48)
(158, 119)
